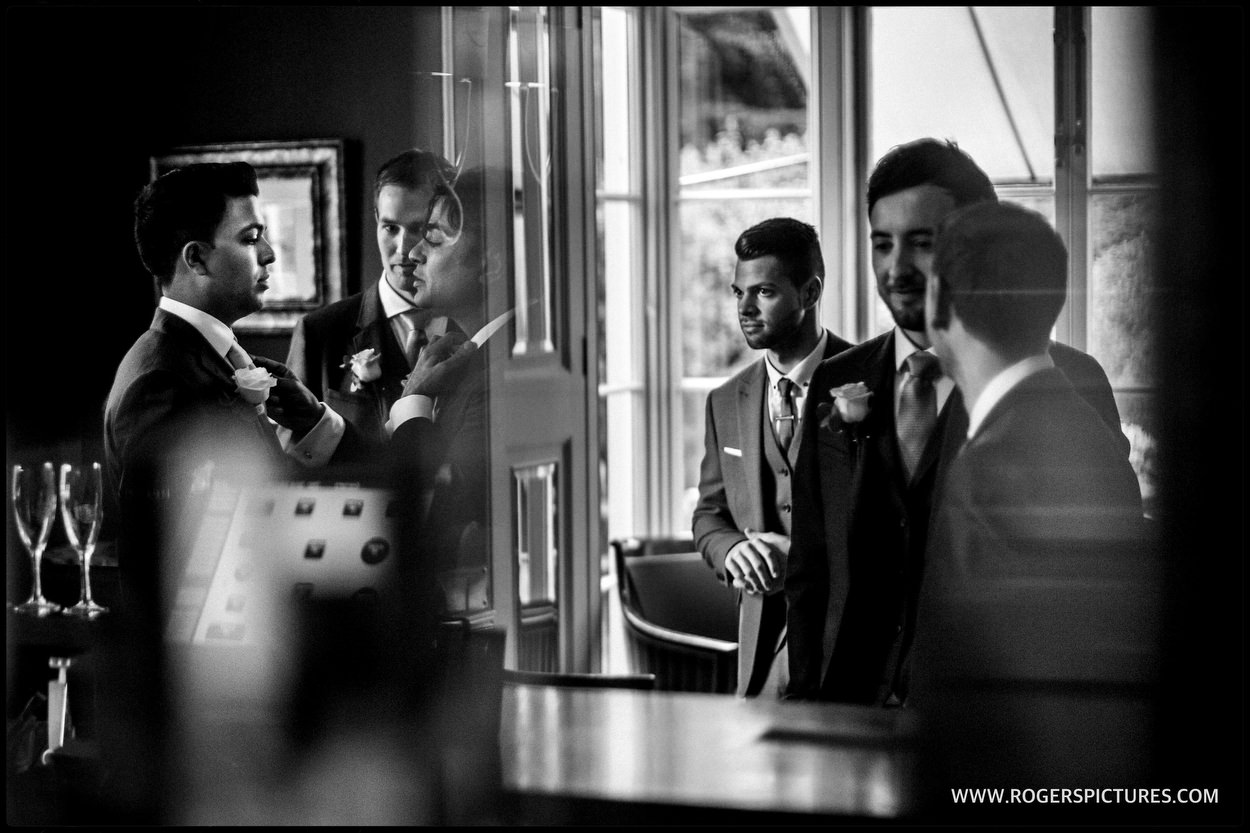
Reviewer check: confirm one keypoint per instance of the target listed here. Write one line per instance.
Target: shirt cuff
(409, 407)
(319, 444)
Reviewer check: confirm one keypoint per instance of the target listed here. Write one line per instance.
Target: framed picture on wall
(301, 203)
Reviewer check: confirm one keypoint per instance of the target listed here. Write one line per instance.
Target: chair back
(681, 623)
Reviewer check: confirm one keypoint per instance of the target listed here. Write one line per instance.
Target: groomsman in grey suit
(742, 519)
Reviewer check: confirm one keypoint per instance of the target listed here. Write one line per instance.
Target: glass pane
(531, 94)
(1120, 95)
(980, 75)
(615, 86)
(537, 545)
(742, 122)
(1122, 317)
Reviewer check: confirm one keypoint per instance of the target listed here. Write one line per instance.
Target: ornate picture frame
(302, 203)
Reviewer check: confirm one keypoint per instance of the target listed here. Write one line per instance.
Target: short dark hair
(1004, 271)
(930, 162)
(793, 242)
(186, 204)
(413, 169)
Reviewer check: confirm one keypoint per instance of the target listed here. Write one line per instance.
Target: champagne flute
(34, 506)
(81, 511)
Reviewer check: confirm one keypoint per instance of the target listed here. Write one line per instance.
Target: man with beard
(742, 519)
(885, 421)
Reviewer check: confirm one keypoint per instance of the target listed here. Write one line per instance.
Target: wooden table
(584, 755)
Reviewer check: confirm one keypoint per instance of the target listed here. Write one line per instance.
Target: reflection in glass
(537, 544)
(531, 97)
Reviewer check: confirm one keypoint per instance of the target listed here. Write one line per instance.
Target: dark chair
(681, 623)
(635, 682)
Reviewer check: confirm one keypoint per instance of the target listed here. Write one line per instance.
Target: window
(1051, 102)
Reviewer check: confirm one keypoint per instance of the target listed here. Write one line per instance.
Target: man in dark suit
(356, 352)
(176, 392)
(182, 411)
(1030, 629)
(742, 519)
(866, 477)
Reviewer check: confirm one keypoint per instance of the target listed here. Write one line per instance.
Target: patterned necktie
(785, 416)
(415, 341)
(917, 407)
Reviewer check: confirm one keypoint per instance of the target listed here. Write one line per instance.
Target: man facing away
(356, 352)
(1030, 636)
(742, 519)
(885, 422)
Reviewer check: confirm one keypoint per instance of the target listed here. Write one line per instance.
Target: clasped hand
(758, 564)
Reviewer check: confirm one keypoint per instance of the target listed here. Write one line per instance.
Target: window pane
(1122, 309)
(980, 75)
(744, 86)
(1120, 95)
(617, 34)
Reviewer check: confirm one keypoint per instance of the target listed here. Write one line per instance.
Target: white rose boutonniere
(365, 365)
(851, 402)
(253, 385)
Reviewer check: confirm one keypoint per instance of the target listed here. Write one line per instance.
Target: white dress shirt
(318, 445)
(998, 387)
(800, 374)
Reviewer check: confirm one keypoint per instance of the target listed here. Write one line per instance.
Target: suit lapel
(219, 374)
(373, 330)
(750, 406)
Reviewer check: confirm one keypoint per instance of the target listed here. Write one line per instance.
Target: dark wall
(92, 93)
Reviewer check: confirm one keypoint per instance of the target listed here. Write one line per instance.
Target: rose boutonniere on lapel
(366, 366)
(848, 410)
(253, 384)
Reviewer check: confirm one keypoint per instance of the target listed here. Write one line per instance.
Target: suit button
(785, 508)
(783, 472)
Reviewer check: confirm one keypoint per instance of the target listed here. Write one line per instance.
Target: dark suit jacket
(731, 500)
(857, 546)
(1032, 597)
(322, 342)
(173, 403)
(174, 408)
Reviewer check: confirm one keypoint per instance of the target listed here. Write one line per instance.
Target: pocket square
(732, 452)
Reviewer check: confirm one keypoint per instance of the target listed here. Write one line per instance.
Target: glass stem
(85, 555)
(36, 558)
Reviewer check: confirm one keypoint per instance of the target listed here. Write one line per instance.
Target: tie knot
(238, 357)
(786, 386)
(923, 365)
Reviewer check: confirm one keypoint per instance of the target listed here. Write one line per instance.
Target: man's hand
(758, 564)
(441, 366)
(291, 404)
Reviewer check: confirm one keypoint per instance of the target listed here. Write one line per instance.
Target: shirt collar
(218, 335)
(394, 304)
(904, 347)
(801, 373)
(1001, 384)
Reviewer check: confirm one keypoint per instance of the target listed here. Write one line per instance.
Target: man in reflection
(440, 417)
(887, 420)
(356, 352)
(742, 519)
(1025, 608)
